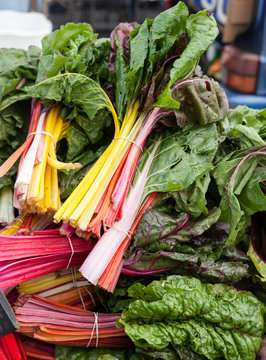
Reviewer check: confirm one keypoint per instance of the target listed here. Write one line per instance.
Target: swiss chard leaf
(193, 199)
(202, 31)
(181, 158)
(205, 262)
(13, 130)
(16, 65)
(245, 126)
(83, 96)
(65, 50)
(201, 99)
(73, 353)
(238, 177)
(148, 43)
(212, 320)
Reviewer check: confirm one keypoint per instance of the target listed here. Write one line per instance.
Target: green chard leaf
(212, 320)
(148, 43)
(17, 65)
(159, 231)
(74, 353)
(245, 126)
(201, 99)
(182, 158)
(238, 177)
(202, 30)
(83, 96)
(14, 121)
(158, 246)
(64, 50)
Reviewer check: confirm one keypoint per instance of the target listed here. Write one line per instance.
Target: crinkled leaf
(201, 99)
(81, 94)
(64, 50)
(98, 58)
(212, 320)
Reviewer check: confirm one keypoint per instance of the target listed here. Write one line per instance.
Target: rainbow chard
(181, 244)
(43, 252)
(166, 164)
(64, 324)
(6, 205)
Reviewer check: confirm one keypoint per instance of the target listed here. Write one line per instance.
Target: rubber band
(13, 226)
(19, 220)
(43, 133)
(128, 233)
(92, 332)
(132, 141)
(81, 298)
(74, 280)
(72, 252)
(90, 294)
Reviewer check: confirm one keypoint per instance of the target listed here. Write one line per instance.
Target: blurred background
(237, 59)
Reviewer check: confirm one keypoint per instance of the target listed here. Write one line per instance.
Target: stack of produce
(132, 167)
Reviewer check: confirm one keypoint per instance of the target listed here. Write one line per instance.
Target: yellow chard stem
(47, 184)
(55, 203)
(36, 193)
(84, 212)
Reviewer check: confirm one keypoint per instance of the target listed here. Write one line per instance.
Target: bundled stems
(101, 255)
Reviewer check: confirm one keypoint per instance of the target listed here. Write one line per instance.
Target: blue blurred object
(252, 101)
(217, 7)
(19, 5)
(261, 31)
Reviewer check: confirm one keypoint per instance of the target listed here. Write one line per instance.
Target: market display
(139, 198)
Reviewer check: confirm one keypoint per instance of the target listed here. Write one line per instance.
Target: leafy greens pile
(199, 166)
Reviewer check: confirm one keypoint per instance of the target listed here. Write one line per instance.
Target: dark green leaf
(212, 320)
(71, 353)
